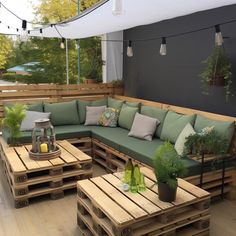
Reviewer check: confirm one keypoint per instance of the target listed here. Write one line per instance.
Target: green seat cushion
(36, 107)
(157, 113)
(115, 103)
(109, 135)
(141, 150)
(64, 113)
(126, 116)
(193, 167)
(82, 107)
(174, 124)
(224, 128)
(62, 132)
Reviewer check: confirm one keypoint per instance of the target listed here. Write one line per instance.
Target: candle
(43, 147)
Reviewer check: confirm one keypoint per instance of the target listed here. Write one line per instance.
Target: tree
(6, 50)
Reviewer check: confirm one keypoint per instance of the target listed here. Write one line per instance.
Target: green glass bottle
(128, 171)
(133, 185)
(137, 174)
(142, 185)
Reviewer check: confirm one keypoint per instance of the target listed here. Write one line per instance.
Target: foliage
(118, 82)
(206, 142)
(6, 50)
(217, 66)
(13, 118)
(168, 165)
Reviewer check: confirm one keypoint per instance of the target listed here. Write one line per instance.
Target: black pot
(166, 193)
(217, 81)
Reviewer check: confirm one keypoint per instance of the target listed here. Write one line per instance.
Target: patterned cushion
(109, 117)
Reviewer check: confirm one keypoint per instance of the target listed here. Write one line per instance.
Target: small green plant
(118, 82)
(168, 166)
(218, 67)
(13, 118)
(206, 143)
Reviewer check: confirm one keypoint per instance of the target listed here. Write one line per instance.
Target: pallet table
(29, 178)
(104, 209)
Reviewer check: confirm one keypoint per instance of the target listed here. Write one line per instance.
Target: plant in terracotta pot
(218, 71)
(168, 167)
(13, 118)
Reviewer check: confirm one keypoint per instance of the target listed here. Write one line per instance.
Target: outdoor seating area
(124, 124)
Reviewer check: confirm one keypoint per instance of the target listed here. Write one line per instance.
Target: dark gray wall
(174, 79)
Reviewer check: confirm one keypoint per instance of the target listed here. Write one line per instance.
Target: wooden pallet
(29, 178)
(113, 160)
(84, 144)
(104, 209)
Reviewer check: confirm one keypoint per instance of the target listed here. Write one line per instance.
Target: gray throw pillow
(93, 115)
(28, 124)
(143, 127)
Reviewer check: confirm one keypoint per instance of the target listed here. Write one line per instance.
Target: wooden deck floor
(45, 217)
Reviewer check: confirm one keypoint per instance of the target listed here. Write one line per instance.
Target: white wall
(112, 56)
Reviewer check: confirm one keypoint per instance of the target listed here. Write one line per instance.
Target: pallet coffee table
(29, 178)
(104, 209)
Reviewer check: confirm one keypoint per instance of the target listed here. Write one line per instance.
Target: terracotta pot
(90, 81)
(217, 81)
(166, 193)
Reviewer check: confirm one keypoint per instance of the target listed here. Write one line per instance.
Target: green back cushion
(133, 104)
(126, 116)
(64, 113)
(36, 107)
(157, 113)
(174, 124)
(82, 107)
(115, 103)
(224, 128)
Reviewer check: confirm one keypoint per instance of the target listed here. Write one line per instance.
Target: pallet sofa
(111, 147)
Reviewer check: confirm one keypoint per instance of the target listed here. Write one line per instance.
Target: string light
(117, 8)
(218, 36)
(130, 52)
(24, 35)
(163, 46)
(41, 33)
(62, 44)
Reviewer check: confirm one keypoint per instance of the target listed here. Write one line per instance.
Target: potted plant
(208, 141)
(167, 167)
(218, 71)
(13, 118)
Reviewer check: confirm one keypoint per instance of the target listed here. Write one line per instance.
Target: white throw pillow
(180, 142)
(93, 115)
(143, 127)
(28, 124)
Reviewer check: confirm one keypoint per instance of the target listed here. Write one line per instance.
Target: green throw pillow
(36, 107)
(174, 123)
(115, 103)
(64, 113)
(224, 128)
(157, 113)
(109, 118)
(82, 107)
(126, 116)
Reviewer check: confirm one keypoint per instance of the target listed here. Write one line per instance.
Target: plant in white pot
(168, 166)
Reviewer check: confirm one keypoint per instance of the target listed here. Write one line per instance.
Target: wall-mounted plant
(218, 71)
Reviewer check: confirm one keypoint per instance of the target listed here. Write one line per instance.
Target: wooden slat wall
(30, 94)
(187, 111)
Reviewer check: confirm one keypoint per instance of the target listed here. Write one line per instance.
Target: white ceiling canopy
(100, 19)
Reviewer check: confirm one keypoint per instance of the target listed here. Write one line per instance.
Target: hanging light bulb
(117, 8)
(62, 44)
(163, 47)
(24, 35)
(130, 52)
(41, 33)
(218, 36)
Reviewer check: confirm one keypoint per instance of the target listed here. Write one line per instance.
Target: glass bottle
(142, 185)
(137, 174)
(133, 185)
(128, 172)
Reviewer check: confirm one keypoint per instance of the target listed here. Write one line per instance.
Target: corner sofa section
(68, 120)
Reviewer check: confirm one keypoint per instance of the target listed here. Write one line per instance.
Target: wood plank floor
(45, 217)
